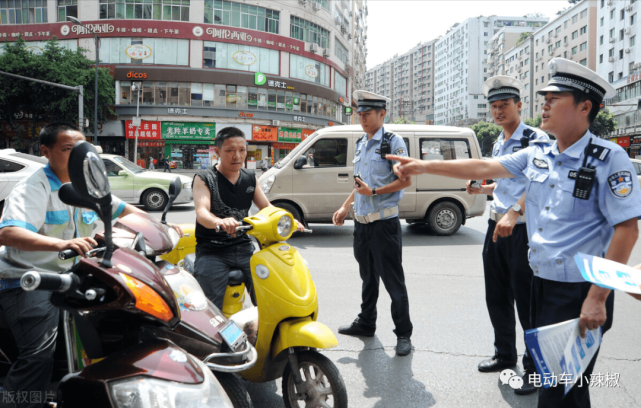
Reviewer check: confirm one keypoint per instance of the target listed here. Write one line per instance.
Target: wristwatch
(517, 208)
(373, 192)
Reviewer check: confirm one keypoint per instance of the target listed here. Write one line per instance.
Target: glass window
(220, 96)
(66, 8)
(148, 93)
(262, 99)
(444, 149)
(309, 32)
(583, 46)
(208, 94)
(575, 34)
(196, 94)
(340, 84)
(633, 19)
(161, 93)
(584, 61)
(583, 30)
(231, 96)
(241, 97)
(252, 97)
(157, 51)
(632, 40)
(15, 12)
(241, 15)
(176, 10)
(172, 93)
(271, 99)
(575, 50)
(241, 58)
(303, 103)
(7, 166)
(280, 101)
(126, 96)
(308, 69)
(327, 153)
(340, 51)
(296, 103)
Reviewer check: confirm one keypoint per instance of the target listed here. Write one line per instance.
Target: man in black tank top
(223, 195)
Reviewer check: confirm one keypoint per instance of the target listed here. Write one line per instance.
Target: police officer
(508, 275)
(582, 195)
(377, 230)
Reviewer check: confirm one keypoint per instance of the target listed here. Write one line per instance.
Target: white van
(316, 178)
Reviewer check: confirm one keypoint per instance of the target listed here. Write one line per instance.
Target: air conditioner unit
(628, 8)
(628, 31)
(627, 50)
(349, 36)
(610, 3)
(337, 20)
(316, 6)
(548, 40)
(611, 59)
(303, 2)
(313, 47)
(343, 28)
(565, 44)
(611, 40)
(275, 122)
(326, 53)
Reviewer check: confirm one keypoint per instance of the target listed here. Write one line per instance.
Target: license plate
(232, 335)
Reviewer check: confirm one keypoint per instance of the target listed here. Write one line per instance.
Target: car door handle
(343, 174)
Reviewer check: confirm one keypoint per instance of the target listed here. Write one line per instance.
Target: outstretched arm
(461, 169)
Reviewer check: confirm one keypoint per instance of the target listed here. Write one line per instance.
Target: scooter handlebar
(48, 281)
(67, 254)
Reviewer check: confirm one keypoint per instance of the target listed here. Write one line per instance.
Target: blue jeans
(33, 321)
(213, 267)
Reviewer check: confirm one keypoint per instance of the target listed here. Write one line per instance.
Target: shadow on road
(389, 380)
(264, 394)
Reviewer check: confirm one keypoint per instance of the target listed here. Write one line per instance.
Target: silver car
(15, 167)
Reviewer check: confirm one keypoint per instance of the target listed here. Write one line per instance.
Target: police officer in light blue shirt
(507, 273)
(377, 231)
(582, 195)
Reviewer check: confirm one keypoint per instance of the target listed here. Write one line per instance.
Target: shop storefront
(624, 142)
(189, 145)
(111, 137)
(150, 143)
(635, 146)
(261, 145)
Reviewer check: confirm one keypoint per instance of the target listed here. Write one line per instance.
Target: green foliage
(403, 121)
(523, 37)
(47, 103)
(486, 133)
(534, 122)
(603, 124)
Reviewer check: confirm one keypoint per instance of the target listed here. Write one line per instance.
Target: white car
(135, 185)
(637, 167)
(15, 167)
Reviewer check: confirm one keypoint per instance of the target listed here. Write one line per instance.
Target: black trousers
(555, 302)
(508, 279)
(378, 251)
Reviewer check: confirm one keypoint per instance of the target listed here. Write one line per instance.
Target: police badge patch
(399, 151)
(541, 164)
(621, 184)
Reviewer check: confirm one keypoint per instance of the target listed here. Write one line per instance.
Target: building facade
(461, 67)
(619, 61)
(278, 69)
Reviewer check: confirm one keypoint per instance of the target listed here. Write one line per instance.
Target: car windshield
(134, 168)
(294, 153)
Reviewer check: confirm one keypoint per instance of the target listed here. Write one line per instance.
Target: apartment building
(619, 61)
(461, 67)
(504, 40)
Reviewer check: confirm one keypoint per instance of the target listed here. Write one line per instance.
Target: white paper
(609, 274)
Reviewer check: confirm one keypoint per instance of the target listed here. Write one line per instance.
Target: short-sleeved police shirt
(376, 172)
(33, 204)
(508, 190)
(560, 225)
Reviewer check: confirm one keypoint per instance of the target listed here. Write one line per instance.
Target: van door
(325, 182)
(442, 148)
(408, 202)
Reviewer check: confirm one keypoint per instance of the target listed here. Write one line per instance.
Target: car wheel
(290, 209)
(154, 200)
(444, 218)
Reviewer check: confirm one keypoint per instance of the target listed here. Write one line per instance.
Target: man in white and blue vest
(377, 231)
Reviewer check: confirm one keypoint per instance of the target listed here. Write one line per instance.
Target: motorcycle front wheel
(233, 386)
(322, 383)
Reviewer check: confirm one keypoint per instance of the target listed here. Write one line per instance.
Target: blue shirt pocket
(380, 167)
(57, 217)
(536, 181)
(89, 217)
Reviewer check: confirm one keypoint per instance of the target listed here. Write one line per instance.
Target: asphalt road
(452, 331)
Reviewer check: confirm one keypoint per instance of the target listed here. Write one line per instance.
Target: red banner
(284, 146)
(307, 133)
(264, 133)
(146, 131)
(623, 141)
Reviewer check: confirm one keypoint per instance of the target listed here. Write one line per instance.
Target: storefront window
(280, 101)
(241, 58)
(161, 93)
(147, 93)
(252, 98)
(340, 84)
(196, 94)
(303, 103)
(308, 69)
(241, 97)
(208, 94)
(314, 105)
(271, 99)
(241, 15)
(126, 96)
(296, 106)
(172, 93)
(176, 10)
(184, 94)
(157, 51)
(231, 96)
(262, 99)
(220, 95)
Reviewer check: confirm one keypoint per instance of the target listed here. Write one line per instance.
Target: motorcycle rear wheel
(233, 386)
(322, 380)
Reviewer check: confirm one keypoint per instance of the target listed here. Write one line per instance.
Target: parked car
(15, 167)
(315, 191)
(135, 185)
(637, 167)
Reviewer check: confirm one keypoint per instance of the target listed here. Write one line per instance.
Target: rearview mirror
(123, 173)
(174, 190)
(300, 162)
(88, 174)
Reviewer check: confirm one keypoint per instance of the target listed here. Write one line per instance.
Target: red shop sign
(147, 130)
(624, 141)
(284, 146)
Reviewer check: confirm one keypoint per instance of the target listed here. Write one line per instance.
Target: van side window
(407, 144)
(327, 153)
(445, 149)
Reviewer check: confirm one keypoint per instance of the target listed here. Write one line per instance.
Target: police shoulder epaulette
(528, 133)
(542, 141)
(598, 152)
(360, 139)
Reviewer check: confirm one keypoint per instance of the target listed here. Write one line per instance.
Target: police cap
(502, 87)
(568, 76)
(366, 101)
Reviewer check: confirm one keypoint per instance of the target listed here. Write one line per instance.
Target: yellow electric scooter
(288, 333)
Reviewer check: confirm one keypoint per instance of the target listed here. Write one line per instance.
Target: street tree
(603, 124)
(43, 103)
(403, 121)
(486, 133)
(534, 122)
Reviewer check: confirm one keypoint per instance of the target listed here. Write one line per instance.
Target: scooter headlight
(284, 227)
(145, 392)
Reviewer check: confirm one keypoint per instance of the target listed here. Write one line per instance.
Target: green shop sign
(188, 130)
(290, 135)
